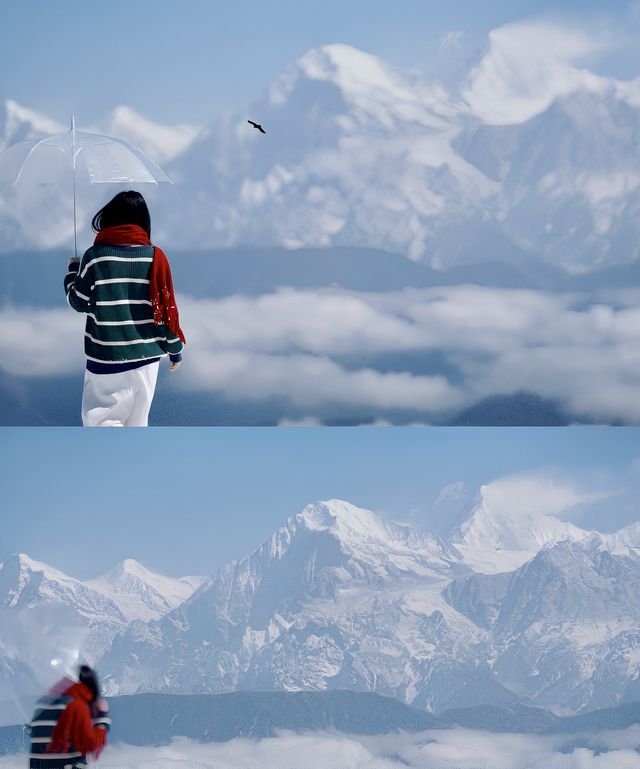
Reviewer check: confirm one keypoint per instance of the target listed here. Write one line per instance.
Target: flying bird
(258, 126)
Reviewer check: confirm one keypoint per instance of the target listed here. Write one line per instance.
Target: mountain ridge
(359, 153)
(341, 597)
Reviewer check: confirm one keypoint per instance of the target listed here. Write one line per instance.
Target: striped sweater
(45, 718)
(111, 285)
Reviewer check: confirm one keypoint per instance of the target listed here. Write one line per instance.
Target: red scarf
(74, 727)
(163, 301)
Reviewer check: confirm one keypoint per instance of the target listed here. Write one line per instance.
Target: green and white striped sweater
(111, 285)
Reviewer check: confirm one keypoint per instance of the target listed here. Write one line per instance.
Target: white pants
(119, 400)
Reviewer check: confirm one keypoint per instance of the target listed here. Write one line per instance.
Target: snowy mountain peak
(129, 566)
(22, 564)
(19, 560)
(358, 89)
(626, 541)
(349, 67)
(143, 594)
(348, 521)
(380, 546)
(18, 123)
(161, 142)
(512, 520)
(124, 114)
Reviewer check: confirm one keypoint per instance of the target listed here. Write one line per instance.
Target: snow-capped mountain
(336, 598)
(521, 608)
(47, 617)
(341, 598)
(142, 594)
(126, 592)
(42, 215)
(358, 153)
(25, 583)
(18, 123)
(361, 154)
(161, 142)
(564, 626)
(496, 538)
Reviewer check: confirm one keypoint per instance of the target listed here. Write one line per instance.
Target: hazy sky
(185, 500)
(177, 60)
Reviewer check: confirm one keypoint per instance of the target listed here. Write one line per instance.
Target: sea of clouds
(442, 749)
(324, 349)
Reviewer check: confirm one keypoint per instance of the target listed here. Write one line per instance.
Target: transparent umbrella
(39, 645)
(72, 156)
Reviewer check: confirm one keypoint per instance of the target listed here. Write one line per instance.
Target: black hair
(89, 678)
(125, 208)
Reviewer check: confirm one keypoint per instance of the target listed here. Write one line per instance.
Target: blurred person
(124, 285)
(69, 722)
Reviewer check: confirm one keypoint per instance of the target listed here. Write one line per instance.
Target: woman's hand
(102, 705)
(174, 366)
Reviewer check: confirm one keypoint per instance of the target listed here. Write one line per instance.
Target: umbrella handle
(73, 156)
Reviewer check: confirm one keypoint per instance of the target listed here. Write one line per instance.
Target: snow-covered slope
(25, 583)
(48, 622)
(18, 123)
(141, 594)
(161, 142)
(498, 536)
(564, 626)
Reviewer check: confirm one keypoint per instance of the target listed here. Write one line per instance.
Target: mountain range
(360, 154)
(47, 614)
(157, 719)
(504, 611)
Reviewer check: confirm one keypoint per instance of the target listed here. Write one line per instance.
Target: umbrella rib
(22, 165)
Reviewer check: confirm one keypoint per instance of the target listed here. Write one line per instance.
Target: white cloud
(308, 380)
(445, 749)
(529, 63)
(304, 422)
(40, 343)
(317, 349)
(535, 494)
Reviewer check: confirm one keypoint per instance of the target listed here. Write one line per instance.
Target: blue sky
(185, 500)
(188, 61)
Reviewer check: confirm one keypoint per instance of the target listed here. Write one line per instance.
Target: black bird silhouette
(258, 126)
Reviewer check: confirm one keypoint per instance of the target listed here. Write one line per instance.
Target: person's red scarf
(74, 728)
(163, 301)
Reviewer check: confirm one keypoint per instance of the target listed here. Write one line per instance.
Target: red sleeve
(74, 727)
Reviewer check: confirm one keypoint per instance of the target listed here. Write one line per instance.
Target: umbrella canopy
(72, 156)
(39, 644)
